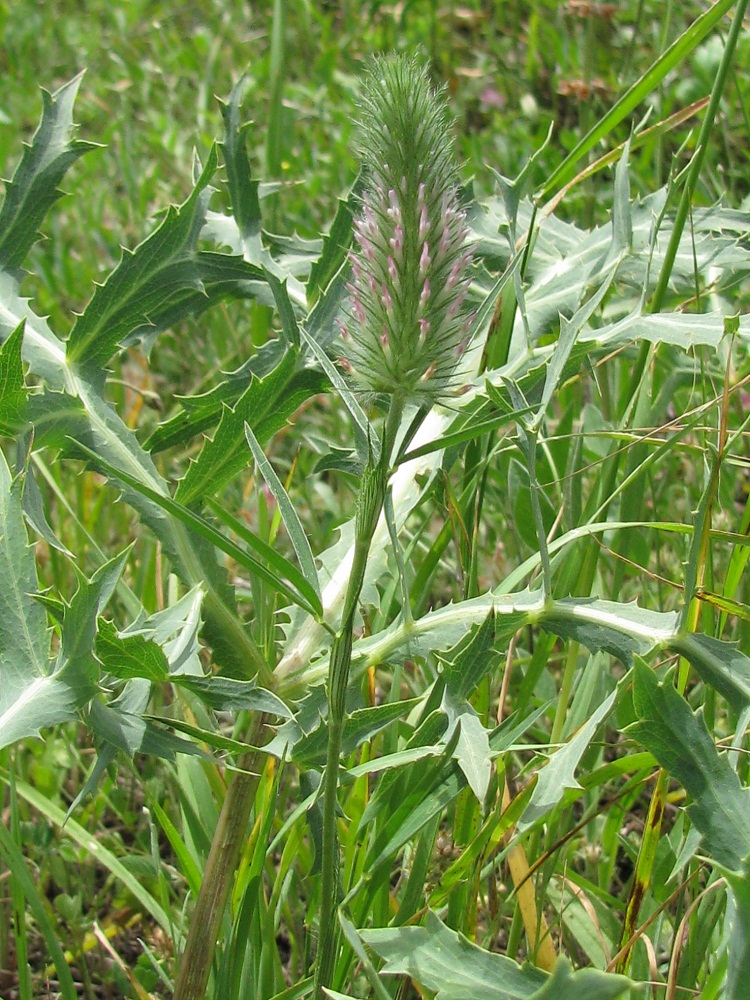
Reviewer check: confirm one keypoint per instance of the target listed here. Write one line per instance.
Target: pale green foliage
(265, 611)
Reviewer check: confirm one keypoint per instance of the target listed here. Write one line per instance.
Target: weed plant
(378, 595)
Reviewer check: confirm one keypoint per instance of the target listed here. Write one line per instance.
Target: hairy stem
(223, 861)
(369, 508)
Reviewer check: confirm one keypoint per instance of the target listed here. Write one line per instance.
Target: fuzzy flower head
(406, 328)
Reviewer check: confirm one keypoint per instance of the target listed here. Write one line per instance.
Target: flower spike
(410, 241)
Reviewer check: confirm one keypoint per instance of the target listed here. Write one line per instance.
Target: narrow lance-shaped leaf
(335, 244)
(559, 772)
(243, 189)
(362, 431)
(288, 513)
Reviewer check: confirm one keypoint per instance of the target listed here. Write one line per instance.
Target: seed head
(410, 269)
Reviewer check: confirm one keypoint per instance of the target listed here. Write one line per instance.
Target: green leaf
(126, 656)
(289, 325)
(205, 530)
(34, 188)
(288, 513)
(208, 736)
(446, 962)
(335, 244)
(222, 458)
(41, 349)
(79, 627)
(223, 694)
(681, 743)
(203, 412)
(470, 659)
(243, 189)
(33, 510)
(720, 664)
(365, 439)
(161, 281)
(131, 733)
(684, 330)
(559, 773)
(621, 629)
(13, 391)
(473, 752)
(33, 693)
(309, 749)
(175, 630)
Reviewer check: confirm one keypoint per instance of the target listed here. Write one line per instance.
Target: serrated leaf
(203, 412)
(132, 734)
(682, 745)
(13, 391)
(41, 349)
(224, 694)
(205, 530)
(289, 324)
(162, 280)
(33, 512)
(32, 694)
(684, 330)
(243, 189)
(470, 659)
(559, 772)
(720, 664)
(621, 629)
(34, 188)
(79, 627)
(131, 656)
(222, 458)
(444, 961)
(335, 244)
(288, 513)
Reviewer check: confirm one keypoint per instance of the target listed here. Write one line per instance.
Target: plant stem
(369, 508)
(221, 865)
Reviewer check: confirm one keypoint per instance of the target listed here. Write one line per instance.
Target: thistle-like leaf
(13, 391)
(34, 188)
(34, 692)
(682, 745)
(223, 457)
(243, 188)
(446, 962)
(161, 281)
